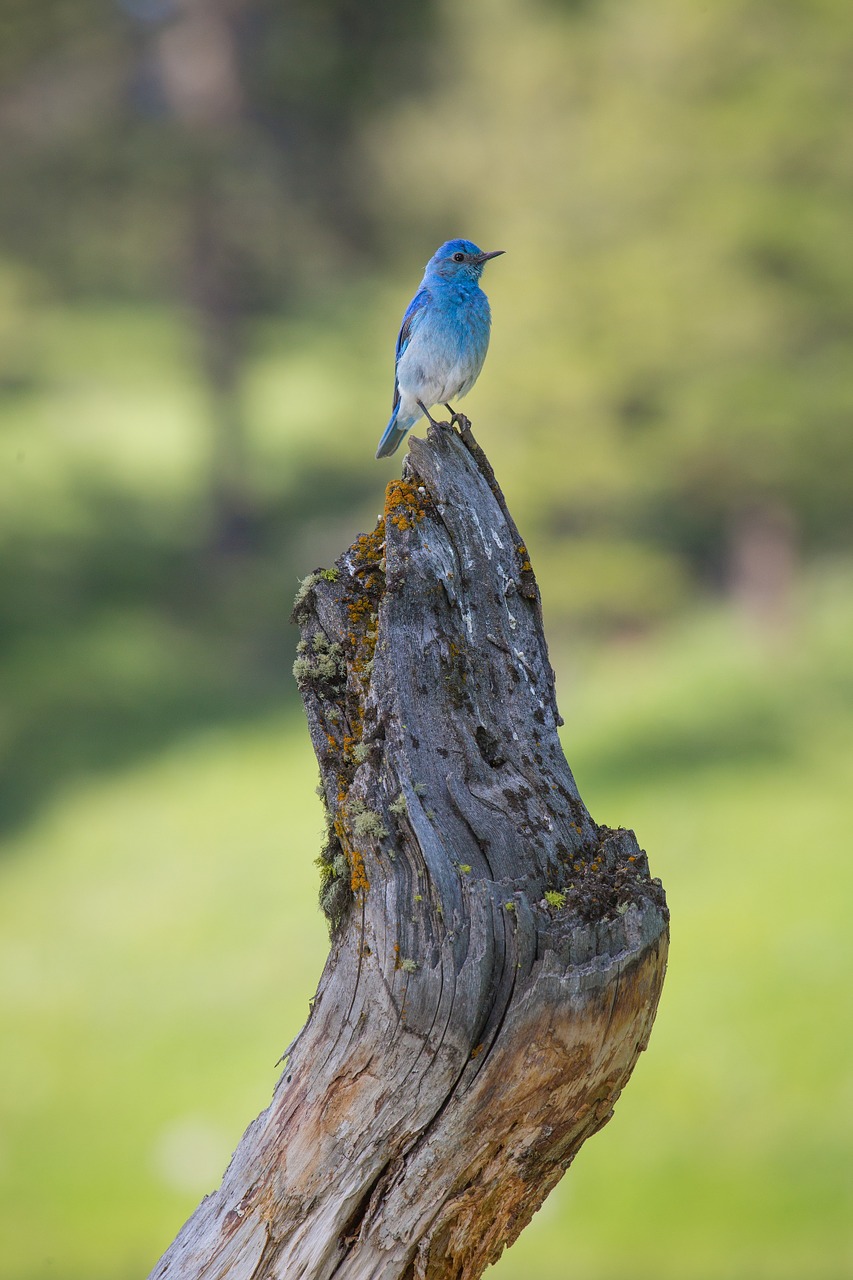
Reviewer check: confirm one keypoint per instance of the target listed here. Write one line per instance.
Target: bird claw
(458, 420)
(438, 428)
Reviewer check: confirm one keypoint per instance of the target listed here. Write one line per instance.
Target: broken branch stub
(496, 956)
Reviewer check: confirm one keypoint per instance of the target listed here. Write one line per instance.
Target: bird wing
(414, 312)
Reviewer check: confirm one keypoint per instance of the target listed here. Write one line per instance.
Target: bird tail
(393, 434)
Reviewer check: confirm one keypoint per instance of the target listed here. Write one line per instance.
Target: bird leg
(433, 425)
(430, 419)
(459, 419)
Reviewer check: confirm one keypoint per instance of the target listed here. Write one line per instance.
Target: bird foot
(458, 420)
(437, 429)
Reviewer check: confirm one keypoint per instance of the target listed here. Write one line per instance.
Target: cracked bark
(496, 957)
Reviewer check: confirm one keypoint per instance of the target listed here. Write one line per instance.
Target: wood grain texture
(496, 956)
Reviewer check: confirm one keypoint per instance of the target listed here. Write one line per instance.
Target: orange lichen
(362, 608)
(363, 585)
(404, 505)
(359, 609)
(359, 882)
(367, 548)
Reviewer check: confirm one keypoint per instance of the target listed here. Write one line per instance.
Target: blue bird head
(459, 260)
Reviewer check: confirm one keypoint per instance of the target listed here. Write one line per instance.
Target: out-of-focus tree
(674, 183)
(669, 390)
(202, 149)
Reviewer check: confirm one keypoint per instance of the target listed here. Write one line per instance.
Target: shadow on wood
(496, 956)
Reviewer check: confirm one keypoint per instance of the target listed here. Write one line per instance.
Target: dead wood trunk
(496, 956)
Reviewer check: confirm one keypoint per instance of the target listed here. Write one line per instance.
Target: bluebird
(443, 339)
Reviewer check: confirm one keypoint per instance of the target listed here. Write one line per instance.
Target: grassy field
(159, 943)
(159, 938)
(667, 403)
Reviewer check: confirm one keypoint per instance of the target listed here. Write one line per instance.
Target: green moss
(465, 868)
(554, 898)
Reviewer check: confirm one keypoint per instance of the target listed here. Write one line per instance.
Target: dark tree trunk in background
(219, 323)
(199, 72)
(497, 957)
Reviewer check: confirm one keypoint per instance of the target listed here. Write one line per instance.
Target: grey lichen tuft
(335, 891)
(399, 806)
(409, 966)
(302, 670)
(323, 661)
(308, 583)
(369, 825)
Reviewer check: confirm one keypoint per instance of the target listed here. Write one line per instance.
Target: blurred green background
(212, 214)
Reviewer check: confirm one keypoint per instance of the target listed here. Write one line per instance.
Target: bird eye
(459, 257)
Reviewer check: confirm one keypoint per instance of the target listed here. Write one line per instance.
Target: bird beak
(484, 257)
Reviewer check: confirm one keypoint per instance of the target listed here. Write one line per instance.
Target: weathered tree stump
(496, 956)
